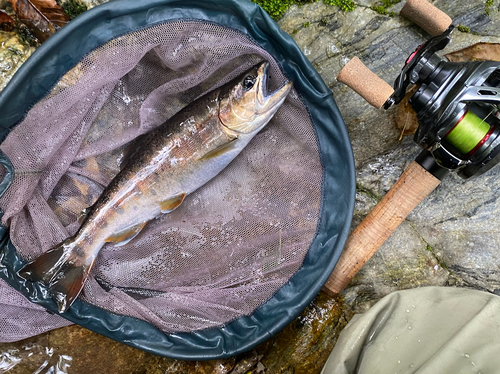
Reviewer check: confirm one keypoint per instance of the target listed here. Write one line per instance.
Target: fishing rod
(457, 105)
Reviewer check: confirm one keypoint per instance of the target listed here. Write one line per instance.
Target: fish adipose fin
(171, 203)
(219, 151)
(125, 236)
(57, 270)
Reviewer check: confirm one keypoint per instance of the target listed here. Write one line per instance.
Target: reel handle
(414, 185)
(364, 82)
(427, 16)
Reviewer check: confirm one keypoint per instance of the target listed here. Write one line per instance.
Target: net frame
(336, 156)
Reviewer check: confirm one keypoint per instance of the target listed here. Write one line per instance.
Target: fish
(165, 165)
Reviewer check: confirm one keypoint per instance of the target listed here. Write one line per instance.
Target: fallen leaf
(43, 17)
(406, 119)
(476, 52)
(6, 22)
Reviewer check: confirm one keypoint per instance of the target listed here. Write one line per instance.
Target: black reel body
(457, 107)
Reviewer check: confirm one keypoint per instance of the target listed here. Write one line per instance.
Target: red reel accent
(483, 140)
(413, 54)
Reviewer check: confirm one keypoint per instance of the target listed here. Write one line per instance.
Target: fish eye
(249, 81)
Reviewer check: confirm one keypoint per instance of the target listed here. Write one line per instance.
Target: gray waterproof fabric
(431, 330)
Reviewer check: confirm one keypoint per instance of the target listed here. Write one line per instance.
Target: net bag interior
(243, 254)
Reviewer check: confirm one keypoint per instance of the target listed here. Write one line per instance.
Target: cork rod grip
(427, 16)
(363, 81)
(414, 185)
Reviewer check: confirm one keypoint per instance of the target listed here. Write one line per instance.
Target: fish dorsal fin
(128, 154)
(126, 235)
(221, 150)
(173, 202)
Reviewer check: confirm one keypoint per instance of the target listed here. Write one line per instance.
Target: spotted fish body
(167, 164)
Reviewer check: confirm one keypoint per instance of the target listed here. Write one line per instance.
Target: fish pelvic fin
(173, 202)
(123, 237)
(62, 269)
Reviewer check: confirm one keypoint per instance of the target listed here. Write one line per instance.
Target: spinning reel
(457, 107)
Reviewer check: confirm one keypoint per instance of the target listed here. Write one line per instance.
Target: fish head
(245, 105)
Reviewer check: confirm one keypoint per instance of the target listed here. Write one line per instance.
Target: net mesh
(229, 247)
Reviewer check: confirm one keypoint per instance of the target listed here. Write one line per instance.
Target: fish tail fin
(62, 269)
(44, 267)
(68, 284)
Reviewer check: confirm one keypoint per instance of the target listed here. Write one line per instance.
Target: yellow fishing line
(468, 133)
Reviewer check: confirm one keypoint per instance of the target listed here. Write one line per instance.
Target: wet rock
(305, 344)
(460, 223)
(452, 237)
(336, 36)
(72, 349)
(13, 52)
(15, 46)
(77, 350)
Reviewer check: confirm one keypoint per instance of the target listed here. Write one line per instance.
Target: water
(8, 360)
(34, 358)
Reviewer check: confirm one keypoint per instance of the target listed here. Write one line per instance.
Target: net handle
(414, 185)
(9, 173)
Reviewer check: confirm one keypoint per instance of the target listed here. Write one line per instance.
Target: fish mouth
(263, 78)
(270, 101)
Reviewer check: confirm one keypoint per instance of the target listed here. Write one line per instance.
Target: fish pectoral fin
(221, 150)
(126, 235)
(171, 203)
